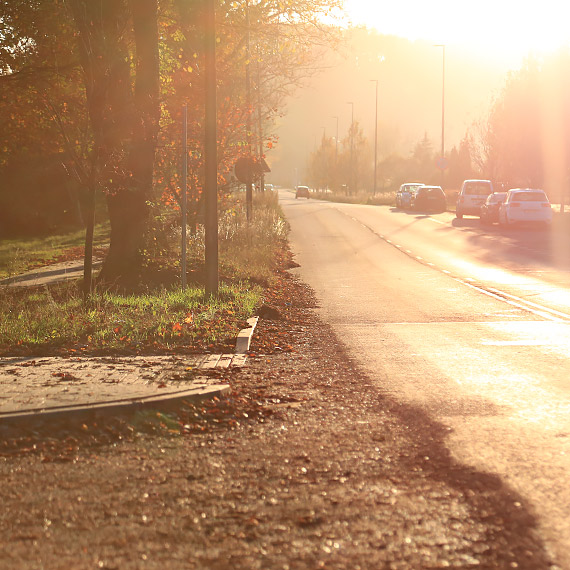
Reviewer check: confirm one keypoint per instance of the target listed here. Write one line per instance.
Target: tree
(118, 49)
(460, 167)
(40, 99)
(526, 138)
(423, 160)
(322, 165)
(103, 57)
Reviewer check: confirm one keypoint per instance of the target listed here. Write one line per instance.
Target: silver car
(405, 193)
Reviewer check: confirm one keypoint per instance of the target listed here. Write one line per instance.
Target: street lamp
(351, 103)
(375, 136)
(211, 158)
(442, 159)
(324, 157)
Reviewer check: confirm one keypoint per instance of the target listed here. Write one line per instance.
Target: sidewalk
(49, 387)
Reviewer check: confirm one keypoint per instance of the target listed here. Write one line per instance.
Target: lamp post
(351, 182)
(211, 158)
(324, 158)
(442, 164)
(375, 136)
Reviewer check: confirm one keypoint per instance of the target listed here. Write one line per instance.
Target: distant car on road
(525, 205)
(429, 199)
(472, 196)
(404, 194)
(302, 192)
(490, 209)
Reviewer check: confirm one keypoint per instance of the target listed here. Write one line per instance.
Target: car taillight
(545, 205)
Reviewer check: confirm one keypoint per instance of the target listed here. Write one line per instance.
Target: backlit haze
(395, 43)
(505, 29)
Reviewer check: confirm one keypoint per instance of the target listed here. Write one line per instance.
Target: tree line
(522, 141)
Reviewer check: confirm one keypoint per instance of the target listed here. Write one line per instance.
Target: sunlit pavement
(471, 326)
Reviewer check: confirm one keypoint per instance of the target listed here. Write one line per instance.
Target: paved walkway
(49, 274)
(46, 387)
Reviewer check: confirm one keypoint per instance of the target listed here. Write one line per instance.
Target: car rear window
(494, 198)
(477, 189)
(529, 197)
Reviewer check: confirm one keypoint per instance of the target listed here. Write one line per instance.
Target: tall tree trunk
(124, 118)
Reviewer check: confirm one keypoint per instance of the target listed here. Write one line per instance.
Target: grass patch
(248, 251)
(55, 318)
(164, 318)
(21, 255)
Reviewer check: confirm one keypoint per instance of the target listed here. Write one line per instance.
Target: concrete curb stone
(51, 388)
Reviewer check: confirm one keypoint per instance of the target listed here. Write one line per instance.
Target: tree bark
(124, 115)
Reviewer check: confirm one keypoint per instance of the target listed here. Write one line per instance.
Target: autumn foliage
(94, 92)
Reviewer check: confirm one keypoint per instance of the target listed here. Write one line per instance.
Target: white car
(405, 194)
(472, 196)
(525, 205)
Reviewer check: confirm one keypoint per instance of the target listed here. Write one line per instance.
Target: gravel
(307, 464)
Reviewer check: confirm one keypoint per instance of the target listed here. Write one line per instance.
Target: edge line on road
(529, 306)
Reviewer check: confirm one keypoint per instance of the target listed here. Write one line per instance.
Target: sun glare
(504, 29)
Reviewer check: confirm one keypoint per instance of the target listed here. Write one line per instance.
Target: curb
(133, 404)
(244, 337)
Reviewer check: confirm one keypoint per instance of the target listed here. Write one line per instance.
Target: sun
(503, 29)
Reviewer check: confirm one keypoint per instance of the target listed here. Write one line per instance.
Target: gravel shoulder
(307, 464)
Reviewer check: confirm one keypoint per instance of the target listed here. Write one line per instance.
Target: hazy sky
(509, 29)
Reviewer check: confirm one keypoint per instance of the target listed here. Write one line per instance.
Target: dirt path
(307, 465)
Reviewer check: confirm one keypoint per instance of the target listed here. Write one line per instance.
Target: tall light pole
(184, 190)
(351, 182)
(375, 137)
(324, 155)
(211, 156)
(442, 158)
(249, 183)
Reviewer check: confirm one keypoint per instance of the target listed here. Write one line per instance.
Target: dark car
(302, 192)
(490, 209)
(429, 199)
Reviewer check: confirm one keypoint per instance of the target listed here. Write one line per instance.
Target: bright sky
(506, 29)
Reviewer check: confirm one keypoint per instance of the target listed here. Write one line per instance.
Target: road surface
(471, 325)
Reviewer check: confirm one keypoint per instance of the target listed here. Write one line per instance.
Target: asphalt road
(472, 325)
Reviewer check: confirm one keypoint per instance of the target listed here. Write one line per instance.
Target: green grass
(55, 319)
(20, 255)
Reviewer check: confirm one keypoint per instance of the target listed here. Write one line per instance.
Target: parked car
(472, 196)
(429, 199)
(490, 209)
(404, 194)
(525, 205)
(302, 192)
